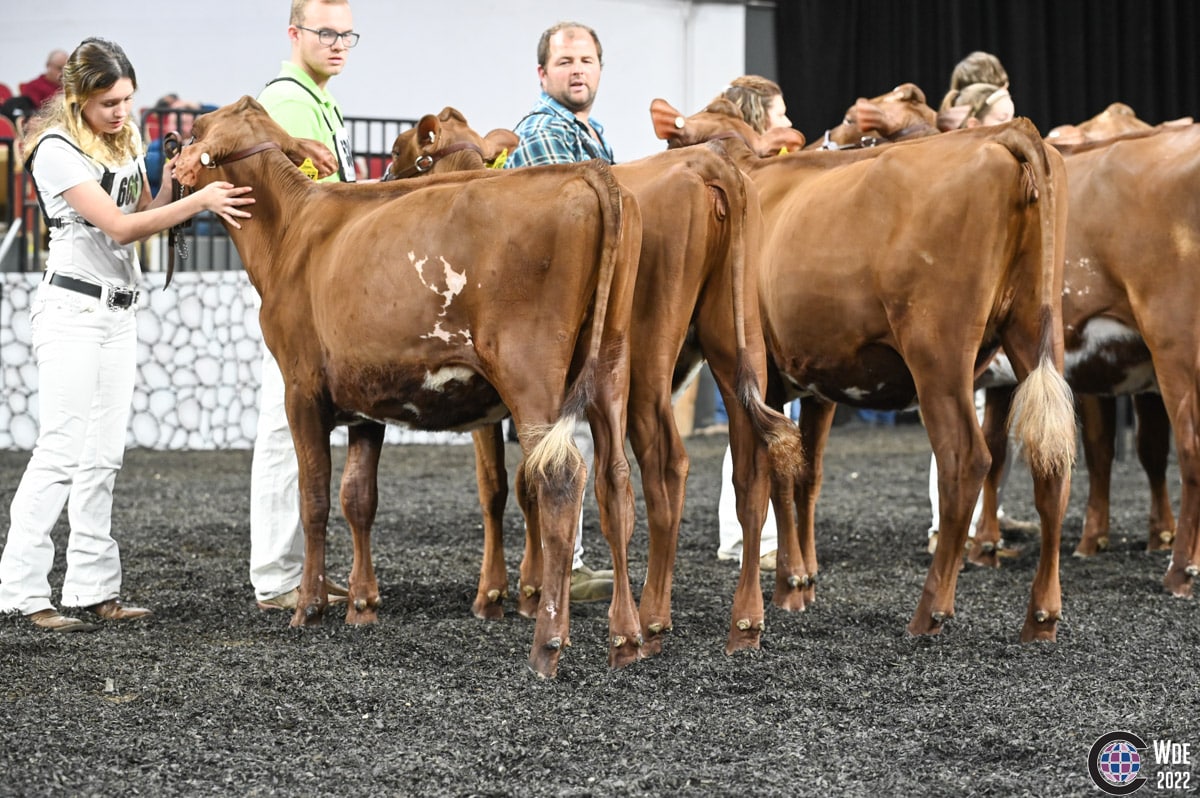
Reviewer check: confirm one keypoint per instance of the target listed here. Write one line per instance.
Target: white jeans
(730, 527)
(87, 364)
(276, 535)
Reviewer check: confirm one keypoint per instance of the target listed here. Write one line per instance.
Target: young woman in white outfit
(85, 157)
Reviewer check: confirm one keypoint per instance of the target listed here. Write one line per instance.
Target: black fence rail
(23, 235)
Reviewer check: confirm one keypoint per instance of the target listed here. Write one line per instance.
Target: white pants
(730, 527)
(587, 448)
(980, 400)
(87, 365)
(276, 535)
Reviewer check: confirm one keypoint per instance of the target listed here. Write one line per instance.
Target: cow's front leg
(310, 434)
(360, 500)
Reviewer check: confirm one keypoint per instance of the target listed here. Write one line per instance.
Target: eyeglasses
(327, 37)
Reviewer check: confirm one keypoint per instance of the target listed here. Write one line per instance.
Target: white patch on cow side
(437, 380)
(419, 265)
(447, 336)
(438, 332)
(858, 394)
(1095, 337)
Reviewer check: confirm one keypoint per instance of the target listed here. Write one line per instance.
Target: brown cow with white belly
(696, 298)
(441, 305)
(890, 275)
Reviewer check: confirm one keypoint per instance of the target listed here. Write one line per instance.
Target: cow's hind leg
(529, 580)
(1098, 418)
(962, 461)
(985, 549)
(556, 476)
(491, 479)
(664, 466)
(360, 500)
(1153, 448)
(796, 574)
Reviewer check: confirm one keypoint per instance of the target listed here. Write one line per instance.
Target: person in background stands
(761, 102)
(978, 95)
(86, 163)
(560, 129)
(322, 34)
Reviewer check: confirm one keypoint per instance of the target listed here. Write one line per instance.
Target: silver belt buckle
(121, 298)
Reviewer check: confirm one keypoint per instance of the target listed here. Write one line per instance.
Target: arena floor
(213, 697)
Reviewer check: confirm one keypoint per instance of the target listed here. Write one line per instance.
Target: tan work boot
(589, 585)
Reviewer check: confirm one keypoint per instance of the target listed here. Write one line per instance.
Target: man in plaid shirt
(559, 130)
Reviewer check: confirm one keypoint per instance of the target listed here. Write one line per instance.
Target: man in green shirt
(321, 34)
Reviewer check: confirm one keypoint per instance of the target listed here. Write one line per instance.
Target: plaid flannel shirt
(551, 134)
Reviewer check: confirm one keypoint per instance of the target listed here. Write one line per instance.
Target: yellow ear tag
(308, 169)
(783, 150)
(500, 159)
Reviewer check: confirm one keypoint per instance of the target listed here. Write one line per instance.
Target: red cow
(892, 274)
(440, 305)
(696, 298)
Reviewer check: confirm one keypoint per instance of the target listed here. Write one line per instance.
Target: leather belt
(118, 298)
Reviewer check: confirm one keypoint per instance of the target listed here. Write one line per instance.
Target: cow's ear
(869, 116)
(953, 118)
(427, 130)
(318, 153)
(775, 140)
(669, 124)
(498, 142)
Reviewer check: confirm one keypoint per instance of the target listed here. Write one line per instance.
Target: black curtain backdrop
(1066, 59)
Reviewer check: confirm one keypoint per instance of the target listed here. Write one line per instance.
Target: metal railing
(206, 241)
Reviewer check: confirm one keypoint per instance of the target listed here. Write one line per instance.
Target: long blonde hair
(94, 66)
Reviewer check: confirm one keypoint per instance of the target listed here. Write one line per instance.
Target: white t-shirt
(77, 248)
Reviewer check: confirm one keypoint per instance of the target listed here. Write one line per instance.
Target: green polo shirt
(311, 114)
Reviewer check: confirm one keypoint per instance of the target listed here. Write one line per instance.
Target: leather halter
(425, 160)
(828, 143)
(211, 163)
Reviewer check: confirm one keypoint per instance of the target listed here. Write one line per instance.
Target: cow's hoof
(984, 555)
(1161, 540)
(1090, 547)
(795, 592)
(745, 636)
(1040, 626)
(308, 615)
(543, 660)
(361, 617)
(623, 650)
(527, 602)
(1178, 581)
(927, 624)
(489, 607)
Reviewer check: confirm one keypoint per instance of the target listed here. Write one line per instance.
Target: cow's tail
(555, 452)
(1042, 417)
(774, 428)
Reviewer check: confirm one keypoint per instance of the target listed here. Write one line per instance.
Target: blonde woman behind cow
(761, 103)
